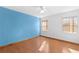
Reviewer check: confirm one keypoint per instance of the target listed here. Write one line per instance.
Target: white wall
(55, 27)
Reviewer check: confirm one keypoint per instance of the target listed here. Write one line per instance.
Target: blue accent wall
(16, 26)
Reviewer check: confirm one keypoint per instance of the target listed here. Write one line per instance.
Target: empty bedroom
(39, 29)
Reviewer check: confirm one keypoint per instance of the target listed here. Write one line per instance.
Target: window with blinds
(70, 24)
(44, 25)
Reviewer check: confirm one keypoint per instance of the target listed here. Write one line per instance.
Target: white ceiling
(35, 10)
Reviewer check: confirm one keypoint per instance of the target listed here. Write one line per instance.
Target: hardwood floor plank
(40, 45)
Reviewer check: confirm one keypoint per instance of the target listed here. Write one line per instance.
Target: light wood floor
(40, 45)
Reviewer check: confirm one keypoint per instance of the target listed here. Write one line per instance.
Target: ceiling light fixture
(43, 9)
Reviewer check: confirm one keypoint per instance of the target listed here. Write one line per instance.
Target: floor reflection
(44, 47)
(69, 50)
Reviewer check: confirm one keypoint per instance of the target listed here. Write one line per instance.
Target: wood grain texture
(40, 45)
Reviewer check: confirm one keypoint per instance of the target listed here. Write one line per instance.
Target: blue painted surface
(16, 26)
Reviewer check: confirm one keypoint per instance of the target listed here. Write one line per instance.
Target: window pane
(70, 24)
(44, 25)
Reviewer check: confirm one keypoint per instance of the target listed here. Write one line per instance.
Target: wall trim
(60, 40)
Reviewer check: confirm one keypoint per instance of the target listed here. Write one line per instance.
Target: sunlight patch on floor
(44, 47)
(69, 50)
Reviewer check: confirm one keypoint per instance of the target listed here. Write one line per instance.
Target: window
(44, 25)
(70, 24)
